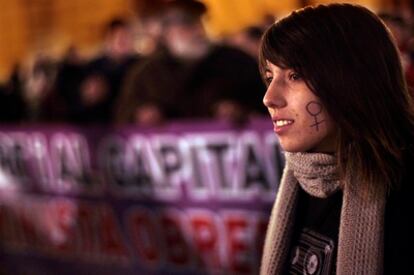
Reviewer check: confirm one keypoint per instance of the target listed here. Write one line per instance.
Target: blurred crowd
(181, 74)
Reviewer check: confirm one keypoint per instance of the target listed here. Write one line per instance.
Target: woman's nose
(273, 97)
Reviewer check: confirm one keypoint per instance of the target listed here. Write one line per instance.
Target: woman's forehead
(270, 66)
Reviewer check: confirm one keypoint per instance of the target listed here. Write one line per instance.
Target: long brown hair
(349, 60)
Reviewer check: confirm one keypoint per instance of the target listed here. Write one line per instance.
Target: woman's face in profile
(299, 118)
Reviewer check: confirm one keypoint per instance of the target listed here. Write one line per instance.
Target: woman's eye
(268, 80)
(294, 76)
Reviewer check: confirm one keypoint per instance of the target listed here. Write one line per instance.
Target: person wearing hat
(189, 76)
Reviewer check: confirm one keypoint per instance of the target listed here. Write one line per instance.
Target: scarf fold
(360, 242)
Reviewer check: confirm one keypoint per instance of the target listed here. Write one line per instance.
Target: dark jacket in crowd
(191, 89)
(112, 73)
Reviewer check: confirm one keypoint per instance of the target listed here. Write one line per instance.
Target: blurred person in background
(11, 98)
(189, 76)
(9, 108)
(149, 29)
(402, 33)
(248, 40)
(40, 104)
(103, 76)
(70, 74)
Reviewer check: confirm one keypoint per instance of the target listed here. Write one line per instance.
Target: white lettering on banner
(14, 172)
(169, 156)
(225, 166)
(200, 166)
(60, 163)
(42, 168)
(128, 167)
(187, 202)
(213, 159)
(254, 174)
(71, 162)
(277, 158)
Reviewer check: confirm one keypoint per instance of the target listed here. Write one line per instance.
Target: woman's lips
(280, 125)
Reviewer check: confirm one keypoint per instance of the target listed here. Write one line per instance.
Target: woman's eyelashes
(294, 76)
(268, 80)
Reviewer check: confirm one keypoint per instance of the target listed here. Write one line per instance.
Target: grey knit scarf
(360, 244)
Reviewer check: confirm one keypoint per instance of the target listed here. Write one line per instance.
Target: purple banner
(184, 198)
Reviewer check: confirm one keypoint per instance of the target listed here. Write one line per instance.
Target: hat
(189, 6)
(183, 11)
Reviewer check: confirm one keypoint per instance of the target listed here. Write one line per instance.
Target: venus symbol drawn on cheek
(314, 109)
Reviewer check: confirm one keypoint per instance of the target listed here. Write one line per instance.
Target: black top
(315, 235)
(399, 231)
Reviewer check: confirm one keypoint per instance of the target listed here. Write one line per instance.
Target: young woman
(339, 105)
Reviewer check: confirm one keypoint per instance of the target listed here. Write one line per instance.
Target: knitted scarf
(360, 243)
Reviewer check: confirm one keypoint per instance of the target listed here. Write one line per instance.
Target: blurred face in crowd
(185, 36)
(299, 118)
(94, 90)
(120, 42)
